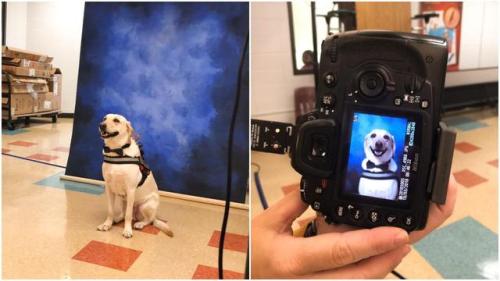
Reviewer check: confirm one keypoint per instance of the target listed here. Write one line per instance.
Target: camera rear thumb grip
(313, 149)
(446, 146)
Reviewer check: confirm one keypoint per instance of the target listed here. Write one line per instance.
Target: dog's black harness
(386, 174)
(383, 166)
(125, 159)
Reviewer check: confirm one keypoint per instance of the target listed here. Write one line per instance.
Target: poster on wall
(171, 69)
(446, 24)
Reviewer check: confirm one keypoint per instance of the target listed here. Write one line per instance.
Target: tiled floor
(49, 225)
(466, 245)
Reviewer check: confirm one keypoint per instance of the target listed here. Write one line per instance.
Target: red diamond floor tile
(42, 157)
(22, 143)
(466, 147)
(108, 255)
(468, 178)
(208, 272)
(289, 188)
(493, 163)
(147, 229)
(233, 242)
(61, 149)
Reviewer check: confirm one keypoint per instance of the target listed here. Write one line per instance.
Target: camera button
(316, 205)
(408, 220)
(397, 101)
(391, 219)
(424, 104)
(374, 217)
(330, 79)
(355, 212)
(340, 211)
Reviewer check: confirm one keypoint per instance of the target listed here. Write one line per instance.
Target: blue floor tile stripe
(461, 250)
(14, 132)
(464, 123)
(55, 181)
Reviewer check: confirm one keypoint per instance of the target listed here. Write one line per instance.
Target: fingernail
(401, 238)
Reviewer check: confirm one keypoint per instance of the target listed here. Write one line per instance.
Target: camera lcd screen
(381, 152)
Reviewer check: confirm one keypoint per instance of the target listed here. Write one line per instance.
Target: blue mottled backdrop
(171, 69)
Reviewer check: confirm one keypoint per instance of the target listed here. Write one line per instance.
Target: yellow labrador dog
(127, 179)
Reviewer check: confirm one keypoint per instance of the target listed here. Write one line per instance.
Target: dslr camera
(374, 151)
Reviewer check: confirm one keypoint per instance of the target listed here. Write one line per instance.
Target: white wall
(272, 79)
(16, 24)
(55, 29)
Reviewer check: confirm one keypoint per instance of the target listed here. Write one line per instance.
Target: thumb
(334, 250)
(281, 215)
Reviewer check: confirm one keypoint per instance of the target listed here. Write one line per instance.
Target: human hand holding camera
(338, 251)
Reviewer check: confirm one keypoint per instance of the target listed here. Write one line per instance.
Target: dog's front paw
(127, 233)
(104, 227)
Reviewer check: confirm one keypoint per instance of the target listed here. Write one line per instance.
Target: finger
(375, 267)
(334, 250)
(323, 227)
(438, 213)
(281, 215)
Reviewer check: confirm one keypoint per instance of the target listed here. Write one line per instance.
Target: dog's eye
(104, 119)
(373, 135)
(116, 120)
(386, 137)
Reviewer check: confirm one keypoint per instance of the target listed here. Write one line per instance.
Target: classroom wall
(273, 81)
(52, 28)
(16, 24)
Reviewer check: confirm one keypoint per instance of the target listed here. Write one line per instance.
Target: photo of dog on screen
(375, 156)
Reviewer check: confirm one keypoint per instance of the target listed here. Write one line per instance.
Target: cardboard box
(25, 71)
(47, 102)
(14, 53)
(20, 85)
(55, 82)
(27, 63)
(22, 104)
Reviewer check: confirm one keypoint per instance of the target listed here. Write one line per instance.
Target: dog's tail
(163, 226)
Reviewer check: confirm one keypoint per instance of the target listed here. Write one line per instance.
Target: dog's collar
(114, 134)
(383, 166)
(118, 151)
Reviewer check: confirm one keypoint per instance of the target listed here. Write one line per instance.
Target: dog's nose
(102, 126)
(379, 145)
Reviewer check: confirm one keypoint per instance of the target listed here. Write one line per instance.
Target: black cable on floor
(397, 274)
(229, 160)
(258, 184)
(33, 160)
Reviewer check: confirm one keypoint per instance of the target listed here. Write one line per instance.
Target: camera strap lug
(441, 168)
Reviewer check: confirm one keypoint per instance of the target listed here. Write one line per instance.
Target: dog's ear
(130, 130)
(393, 145)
